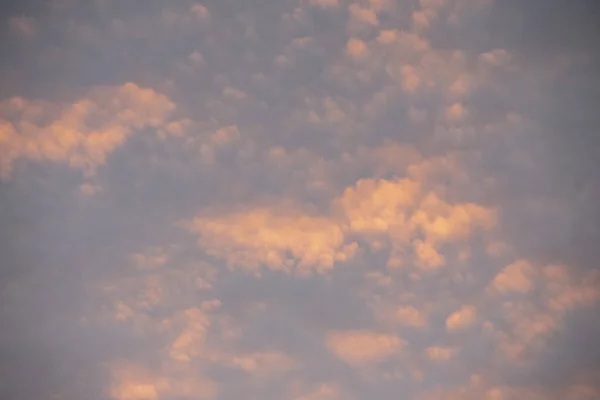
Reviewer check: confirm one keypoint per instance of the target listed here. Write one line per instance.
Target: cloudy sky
(300, 200)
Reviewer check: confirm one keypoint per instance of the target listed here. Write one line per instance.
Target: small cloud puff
(360, 348)
(461, 319)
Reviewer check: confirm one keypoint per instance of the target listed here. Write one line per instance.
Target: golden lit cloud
(362, 15)
(315, 200)
(133, 382)
(461, 318)
(359, 348)
(189, 343)
(517, 277)
(456, 112)
(401, 215)
(356, 48)
(410, 316)
(532, 320)
(263, 364)
(440, 354)
(82, 134)
(283, 239)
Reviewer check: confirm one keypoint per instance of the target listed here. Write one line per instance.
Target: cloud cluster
(402, 214)
(82, 134)
(329, 199)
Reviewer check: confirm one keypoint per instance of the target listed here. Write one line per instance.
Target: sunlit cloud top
(299, 199)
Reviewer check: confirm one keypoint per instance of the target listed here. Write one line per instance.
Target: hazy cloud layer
(299, 199)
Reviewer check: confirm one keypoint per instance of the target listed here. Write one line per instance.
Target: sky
(300, 200)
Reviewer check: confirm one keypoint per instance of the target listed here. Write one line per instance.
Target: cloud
(516, 277)
(461, 318)
(393, 213)
(361, 18)
(399, 210)
(373, 206)
(482, 387)
(407, 160)
(529, 322)
(410, 316)
(189, 342)
(133, 382)
(440, 354)
(359, 348)
(281, 239)
(456, 112)
(410, 79)
(83, 134)
(356, 48)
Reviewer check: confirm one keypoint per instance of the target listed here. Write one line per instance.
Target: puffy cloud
(356, 48)
(189, 343)
(400, 215)
(456, 112)
(565, 291)
(427, 255)
(362, 16)
(378, 206)
(410, 316)
(433, 204)
(517, 277)
(82, 134)
(528, 322)
(399, 210)
(154, 282)
(199, 10)
(410, 79)
(440, 354)
(284, 239)
(461, 318)
(133, 382)
(359, 348)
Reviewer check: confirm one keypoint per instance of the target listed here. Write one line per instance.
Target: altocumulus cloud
(299, 199)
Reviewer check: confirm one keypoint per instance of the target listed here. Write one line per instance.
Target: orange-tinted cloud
(81, 135)
(461, 318)
(281, 239)
(359, 348)
(517, 277)
(134, 382)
